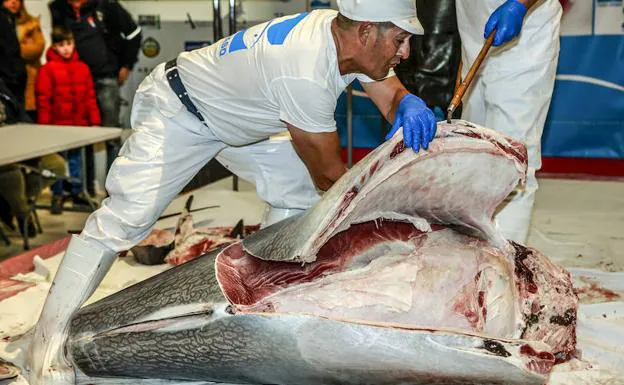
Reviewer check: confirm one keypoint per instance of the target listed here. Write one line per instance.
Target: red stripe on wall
(584, 166)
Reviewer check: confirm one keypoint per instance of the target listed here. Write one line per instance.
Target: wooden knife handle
(463, 86)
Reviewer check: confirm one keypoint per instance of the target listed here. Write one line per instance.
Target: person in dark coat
(12, 66)
(108, 41)
(65, 95)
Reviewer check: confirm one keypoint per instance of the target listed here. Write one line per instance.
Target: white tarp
(600, 328)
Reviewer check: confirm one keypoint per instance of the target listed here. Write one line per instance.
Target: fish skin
(178, 325)
(304, 350)
(176, 287)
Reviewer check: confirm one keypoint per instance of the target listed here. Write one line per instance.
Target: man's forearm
(396, 100)
(320, 152)
(329, 175)
(324, 164)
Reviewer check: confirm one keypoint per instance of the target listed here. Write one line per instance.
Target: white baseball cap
(401, 13)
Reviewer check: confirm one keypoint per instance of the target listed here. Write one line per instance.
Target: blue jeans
(109, 102)
(74, 160)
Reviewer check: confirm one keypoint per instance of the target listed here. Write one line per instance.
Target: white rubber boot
(513, 217)
(82, 269)
(273, 215)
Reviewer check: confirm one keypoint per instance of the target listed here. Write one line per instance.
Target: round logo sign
(150, 47)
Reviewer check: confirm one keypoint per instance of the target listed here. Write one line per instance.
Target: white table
(19, 142)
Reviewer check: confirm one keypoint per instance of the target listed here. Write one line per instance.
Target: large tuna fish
(396, 276)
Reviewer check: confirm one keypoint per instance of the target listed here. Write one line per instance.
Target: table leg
(83, 175)
(4, 237)
(25, 233)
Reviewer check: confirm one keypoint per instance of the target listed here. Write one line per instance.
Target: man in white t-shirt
(226, 101)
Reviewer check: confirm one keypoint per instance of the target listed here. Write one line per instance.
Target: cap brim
(412, 26)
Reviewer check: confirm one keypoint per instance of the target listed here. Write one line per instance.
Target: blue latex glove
(417, 120)
(507, 20)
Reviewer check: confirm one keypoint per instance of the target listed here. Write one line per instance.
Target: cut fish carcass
(396, 276)
(187, 242)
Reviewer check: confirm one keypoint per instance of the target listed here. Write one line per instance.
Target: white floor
(579, 224)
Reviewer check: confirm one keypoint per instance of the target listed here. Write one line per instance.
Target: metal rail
(217, 24)
(217, 30)
(349, 126)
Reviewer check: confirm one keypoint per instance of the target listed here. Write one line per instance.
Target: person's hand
(123, 75)
(417, 120)
(507, 20)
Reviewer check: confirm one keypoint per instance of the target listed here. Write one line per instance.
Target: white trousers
(167, 148)
(515, 102)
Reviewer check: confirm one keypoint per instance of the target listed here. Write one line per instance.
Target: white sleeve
(365, 79)
(305, 104)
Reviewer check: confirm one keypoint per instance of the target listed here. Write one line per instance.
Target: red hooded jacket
(65, 92)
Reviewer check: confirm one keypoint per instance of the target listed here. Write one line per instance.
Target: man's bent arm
(321, 154)
(386, 95)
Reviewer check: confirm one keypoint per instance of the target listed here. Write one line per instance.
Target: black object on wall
(431, 70)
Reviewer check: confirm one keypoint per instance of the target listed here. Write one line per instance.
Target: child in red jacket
(66, 96)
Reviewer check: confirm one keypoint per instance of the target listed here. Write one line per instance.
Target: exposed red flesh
(248, 279)
(540, 362)
(157, 238)
(547, 301)
(201, 241)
